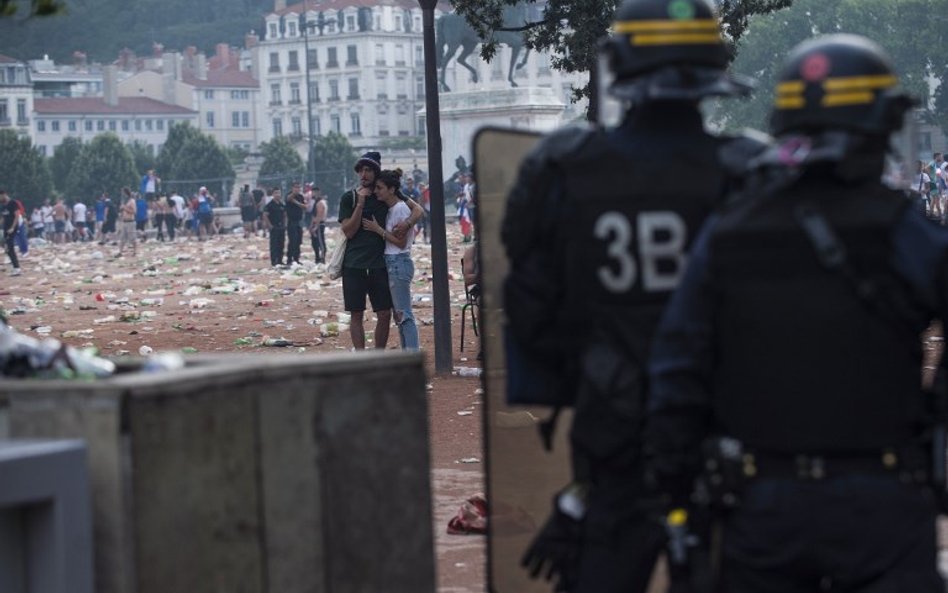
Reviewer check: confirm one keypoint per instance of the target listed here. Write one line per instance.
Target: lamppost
(439, 241)
(306, 25)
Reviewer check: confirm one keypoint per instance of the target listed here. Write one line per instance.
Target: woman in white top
(397, 254)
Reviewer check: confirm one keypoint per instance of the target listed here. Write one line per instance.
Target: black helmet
(669, 49)
(838, 82)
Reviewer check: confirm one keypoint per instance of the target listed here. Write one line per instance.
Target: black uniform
(10, 211)
(597, 233)
(764, 344)
(276, 213)
(294, 232)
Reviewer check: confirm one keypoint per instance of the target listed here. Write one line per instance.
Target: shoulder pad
(737, 152)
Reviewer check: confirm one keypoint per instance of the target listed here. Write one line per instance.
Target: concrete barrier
(251, 474)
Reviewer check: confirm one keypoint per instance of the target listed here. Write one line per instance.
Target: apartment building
(16, 95)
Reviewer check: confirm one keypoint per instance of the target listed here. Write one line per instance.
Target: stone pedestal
(464, 113)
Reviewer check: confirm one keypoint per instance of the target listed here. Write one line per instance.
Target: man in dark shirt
(10, 212)
(274, 220)
(294, 220)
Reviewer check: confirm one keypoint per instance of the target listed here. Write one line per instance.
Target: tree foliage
(281, 162)
(143, 155)
(905, 28)
(103, 165)
(23, 170)
(202, 161)
(335, 158)
(571, 29)
(178, 136)
(10, 8)
(60, 164)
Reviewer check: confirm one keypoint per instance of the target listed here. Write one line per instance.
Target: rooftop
(98, 106)
(222, 78)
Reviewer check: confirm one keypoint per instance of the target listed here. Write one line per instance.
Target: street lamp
(439, 241)
(306, 26)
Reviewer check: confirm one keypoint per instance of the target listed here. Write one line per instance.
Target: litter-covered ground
(221, 295)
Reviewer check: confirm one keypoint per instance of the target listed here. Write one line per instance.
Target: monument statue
(452, 31)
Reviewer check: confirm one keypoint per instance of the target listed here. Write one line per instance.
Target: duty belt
(909, 467)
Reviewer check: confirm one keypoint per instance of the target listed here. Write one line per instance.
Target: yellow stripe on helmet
(791, 87)
(860, 83)
(665, 26)
(792, 102)
(677, 39)
(842, 99)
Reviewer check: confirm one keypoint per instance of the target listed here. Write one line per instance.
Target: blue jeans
(400, 272)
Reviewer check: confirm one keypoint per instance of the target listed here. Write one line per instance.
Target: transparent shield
(521, 476)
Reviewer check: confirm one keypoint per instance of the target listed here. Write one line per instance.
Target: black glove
(555, 550)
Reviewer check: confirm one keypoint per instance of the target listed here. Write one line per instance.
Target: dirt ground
(222, 296)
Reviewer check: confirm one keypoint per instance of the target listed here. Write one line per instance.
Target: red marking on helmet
(815, 67)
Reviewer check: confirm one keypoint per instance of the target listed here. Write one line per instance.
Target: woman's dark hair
(393, 180)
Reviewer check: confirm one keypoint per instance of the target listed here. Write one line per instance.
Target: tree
(143, 154)
(281, 162)
(571, 29)
(9, 8)
(178, 135)
(103, 165)
(335, 158)
(905, 29)
(202, 161)
(23, 170)
(60, 164)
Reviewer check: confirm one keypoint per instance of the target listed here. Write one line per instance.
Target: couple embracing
(378, 222)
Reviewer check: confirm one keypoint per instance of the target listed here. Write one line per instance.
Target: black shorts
(248, 214)
(358, 282)
(140, 225)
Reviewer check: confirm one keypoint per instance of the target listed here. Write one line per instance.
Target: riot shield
(521, 476)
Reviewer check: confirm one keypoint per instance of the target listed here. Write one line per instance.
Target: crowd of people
(930, 187)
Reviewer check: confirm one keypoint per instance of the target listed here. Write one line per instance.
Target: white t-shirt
(921, 183)
(79, 212)
(397, 214)
(178, 205)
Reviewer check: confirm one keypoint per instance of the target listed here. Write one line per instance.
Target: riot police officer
(792, 349)
(597, 229)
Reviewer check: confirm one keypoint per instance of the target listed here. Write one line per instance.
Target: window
(208, 93)
(73, 125)
(240, 94)
(42, 149)
(398, 22)
(274, 61)
(294, 61)
(381, 85)
(4, 116)
(291, 28)
(419, 55)
(355, 124)
(312, 59)
(278, 127)
(399, 55)
(416, 23)
(245, 118)
(294, 93)
(208, 117)
(235, 119)
(40, 126)
(333, 90)
(334, 124)
(55, 125)
(275, 94)
(124, 125)
(100, 125)
(88, 125)
(350, 23)
(316, 126)
(273, 31)
(159, 124)
(297, 126)
(378, 22)
(138, 125)
(401, 86)
(352, 56)
(331, 61)
(20, 111)
(383, 126)
(379, 54)
(112, 125)
(314, 92)
(353, 88)
(148, 124)
(419, 88)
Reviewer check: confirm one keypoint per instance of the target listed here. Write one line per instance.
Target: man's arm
(417, 213)
(266, 219)
(352, 223)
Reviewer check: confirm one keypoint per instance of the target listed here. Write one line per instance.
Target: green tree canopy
(23, 171)
(178, 135)
(202, 161)
(103, 165)
(143, 154)
(906, 29)
(60, 164)
(335, 158)
(281, 162)
(571, 29)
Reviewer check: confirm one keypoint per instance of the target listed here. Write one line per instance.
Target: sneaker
(16, 272)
